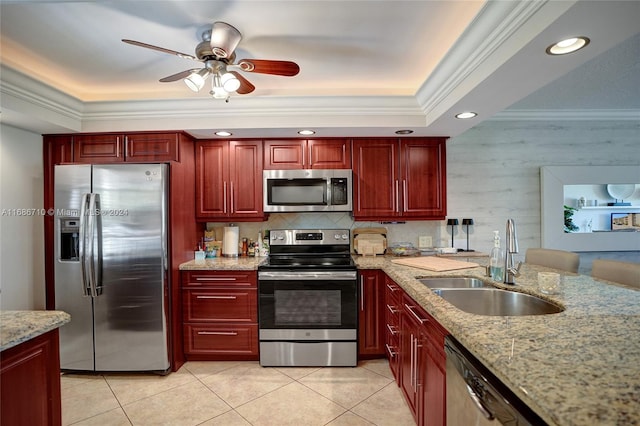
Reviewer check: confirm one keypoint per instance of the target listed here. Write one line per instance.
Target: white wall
(493, 173)
(21, 237)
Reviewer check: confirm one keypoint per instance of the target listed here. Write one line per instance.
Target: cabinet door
(221, 341)
(371, 315)
(375, 179)
(433, 404)
(410, 349)
(212, 171)
(145, 147)
(220, 305)
(30, 382)
(328, 154)
(98, 148)
(245, 186)
(423, 178)
(281, 155)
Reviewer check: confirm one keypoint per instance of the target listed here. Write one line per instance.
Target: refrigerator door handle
(96, 259)
(82, 245)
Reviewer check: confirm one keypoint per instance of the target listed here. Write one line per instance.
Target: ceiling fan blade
(161, 49)
(177, 76)
(245, 85)
(266, 66)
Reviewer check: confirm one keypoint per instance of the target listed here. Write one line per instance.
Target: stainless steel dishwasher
(476, 397)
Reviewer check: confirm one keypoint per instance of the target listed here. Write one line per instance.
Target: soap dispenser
(496, 259)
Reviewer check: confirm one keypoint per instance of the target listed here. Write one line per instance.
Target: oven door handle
(307, 275)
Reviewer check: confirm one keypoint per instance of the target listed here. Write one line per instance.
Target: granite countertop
(577, 367)
(19, 326)
(223, 264)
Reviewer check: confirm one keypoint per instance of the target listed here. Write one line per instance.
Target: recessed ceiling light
(306, 132)
(404, 132)
(568, 45)
(466, 114)
(223, 133)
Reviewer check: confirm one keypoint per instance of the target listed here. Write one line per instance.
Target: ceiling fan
(217, 52)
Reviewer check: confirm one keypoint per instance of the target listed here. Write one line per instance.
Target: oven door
(307, 300)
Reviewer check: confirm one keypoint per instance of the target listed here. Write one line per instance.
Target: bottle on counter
(496, 259)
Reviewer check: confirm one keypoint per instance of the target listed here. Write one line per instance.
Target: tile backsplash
(397, 232)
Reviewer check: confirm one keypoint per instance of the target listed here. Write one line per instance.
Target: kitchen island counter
(577, 367)
(30, 373)
(20, 326)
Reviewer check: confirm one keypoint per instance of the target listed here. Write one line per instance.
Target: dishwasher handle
(478, 403)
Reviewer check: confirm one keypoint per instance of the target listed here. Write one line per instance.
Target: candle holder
(467, 222)
(453, 223)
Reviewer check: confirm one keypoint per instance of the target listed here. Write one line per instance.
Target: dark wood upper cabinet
(229, 180)
(396, 179)
(102, 148)
(144, 147)
(307, 154)
(99, 148)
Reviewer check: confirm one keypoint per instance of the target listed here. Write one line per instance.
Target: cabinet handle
(410, 309)
(404, 195)
(397, 201)
(217, 297)
(231, 185)
(224, 197)
(361, 293)
(392, 329)
(392, 309)
(413, 358)
(392, 354)
(392, 288)
(215, 279)
(218, 333)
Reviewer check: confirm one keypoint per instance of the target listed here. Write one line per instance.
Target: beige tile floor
(238, 393)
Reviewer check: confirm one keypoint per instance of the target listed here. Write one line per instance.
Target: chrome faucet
(510, 270)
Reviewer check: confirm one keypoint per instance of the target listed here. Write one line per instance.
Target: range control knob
(345, 237)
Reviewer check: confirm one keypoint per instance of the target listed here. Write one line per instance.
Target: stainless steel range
(308, 300)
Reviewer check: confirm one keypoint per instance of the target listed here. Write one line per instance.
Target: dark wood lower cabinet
(415, 348)
(220, 315)
(371, 314)
(30, 382)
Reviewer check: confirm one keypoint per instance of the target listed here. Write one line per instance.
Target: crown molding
(568, 115)
(494, 26)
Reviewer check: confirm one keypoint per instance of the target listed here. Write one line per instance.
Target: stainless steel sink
(453, 282)
(494, 301)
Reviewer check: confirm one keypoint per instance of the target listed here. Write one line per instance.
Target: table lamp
(452, 223)
(467, 222)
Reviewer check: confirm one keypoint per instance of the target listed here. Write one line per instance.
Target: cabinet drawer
(220, 278)
(220, 305)
(230, 339)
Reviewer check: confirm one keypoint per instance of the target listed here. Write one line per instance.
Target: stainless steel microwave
(313, 190)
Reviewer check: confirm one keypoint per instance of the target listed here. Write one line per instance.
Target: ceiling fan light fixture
(229, 82)
(568, 45)
(224, 39)
(195, 81)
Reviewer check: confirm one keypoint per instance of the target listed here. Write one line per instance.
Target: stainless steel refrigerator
(110, 268)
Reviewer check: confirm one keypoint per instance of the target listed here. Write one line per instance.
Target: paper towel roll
(230, 241)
